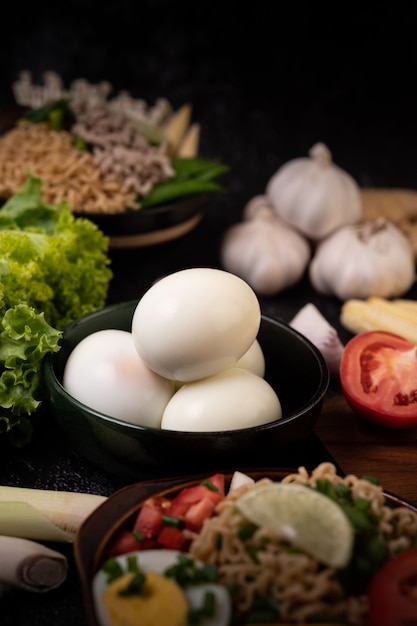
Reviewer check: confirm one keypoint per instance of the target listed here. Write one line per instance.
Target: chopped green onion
(359, 519)
(187, 572)
(113, 569)
(135, 585)
(343, 490)
(206, 610)
(247, 531)
(138, 535)
(132, 564)
(173, 522)
(207, 483)
(362, 504)
(253, 553)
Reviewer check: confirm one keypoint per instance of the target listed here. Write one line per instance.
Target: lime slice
(304, 517)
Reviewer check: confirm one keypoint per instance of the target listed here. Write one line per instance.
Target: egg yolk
(161, 602)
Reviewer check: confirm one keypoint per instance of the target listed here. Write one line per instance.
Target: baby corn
(397, 316)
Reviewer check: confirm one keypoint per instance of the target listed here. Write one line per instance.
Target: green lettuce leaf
(54, 268)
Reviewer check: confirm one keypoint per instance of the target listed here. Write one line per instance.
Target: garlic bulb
(313, 325)
(258, 206)
(373, 258)
(314, 195)
(266, 253)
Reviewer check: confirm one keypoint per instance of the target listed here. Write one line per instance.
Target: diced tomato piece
(198, 512)
(172, 538)
(217, 480)
(149, 519)
(192, 495)
(124, 542)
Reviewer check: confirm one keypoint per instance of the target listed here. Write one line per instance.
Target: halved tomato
(392, 592)
(378, 376)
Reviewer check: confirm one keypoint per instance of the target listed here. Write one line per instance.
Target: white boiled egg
(232, 399)
(195, 323)
(253, 360)
(106, 373)
(167, 605)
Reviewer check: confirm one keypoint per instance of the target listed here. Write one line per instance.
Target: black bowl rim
(148, 220)
(127, 427)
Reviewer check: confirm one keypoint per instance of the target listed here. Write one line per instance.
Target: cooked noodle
(302, 586)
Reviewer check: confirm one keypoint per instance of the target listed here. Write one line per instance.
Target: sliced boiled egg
(196, 322)
(106, 373)
(232, 399)
(165, 603)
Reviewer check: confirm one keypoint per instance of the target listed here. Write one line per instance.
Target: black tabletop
(266, 82)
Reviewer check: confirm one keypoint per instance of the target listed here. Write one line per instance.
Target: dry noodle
(66, 172)
(302, 586)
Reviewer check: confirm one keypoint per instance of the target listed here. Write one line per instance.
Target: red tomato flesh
(125, 541)
(172, 538)
(378, 376)
(392, 592)
(191, 506)
(149, 519)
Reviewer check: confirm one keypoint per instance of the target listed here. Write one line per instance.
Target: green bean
(174, 189)
(193, 166)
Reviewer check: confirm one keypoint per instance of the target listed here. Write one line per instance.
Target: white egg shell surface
(229, 400)
(159, 561)
(195, 323)
(106, 373)
(253, 360)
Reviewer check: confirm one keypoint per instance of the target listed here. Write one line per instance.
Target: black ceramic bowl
(131, 229)
(294, 367)
(147, 227)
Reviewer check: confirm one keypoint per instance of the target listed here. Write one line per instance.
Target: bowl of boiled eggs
(189, 377)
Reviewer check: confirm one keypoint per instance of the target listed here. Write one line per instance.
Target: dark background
(266, 80)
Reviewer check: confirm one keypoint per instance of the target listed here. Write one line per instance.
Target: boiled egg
(195, 322)
(105, 372)
(253, 360)
(166, 603)
(232, 399)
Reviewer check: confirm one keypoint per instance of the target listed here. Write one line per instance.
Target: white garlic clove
(313, 325)
(314, 195)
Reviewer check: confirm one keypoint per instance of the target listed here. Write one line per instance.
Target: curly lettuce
(54, 268)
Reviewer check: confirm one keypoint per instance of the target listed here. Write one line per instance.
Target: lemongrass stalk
(30, 565)
(44, 515)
